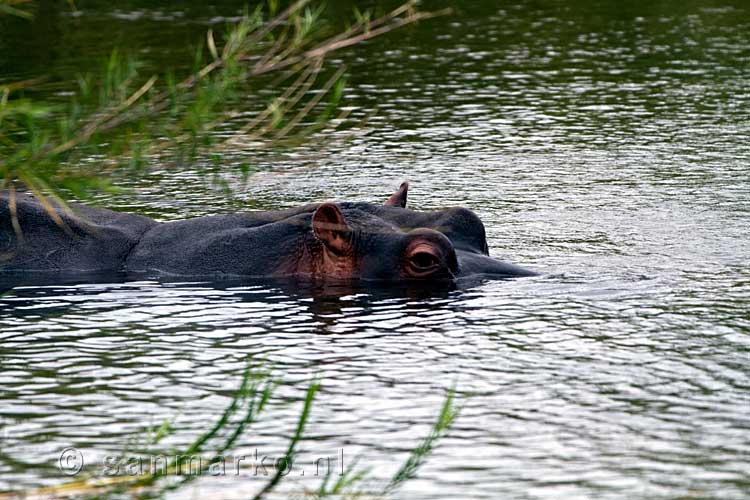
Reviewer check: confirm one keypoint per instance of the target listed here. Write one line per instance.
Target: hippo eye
(424, 261)
(424, 258)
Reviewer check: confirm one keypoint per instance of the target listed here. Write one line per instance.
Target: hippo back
(242, 244)
(92, 240)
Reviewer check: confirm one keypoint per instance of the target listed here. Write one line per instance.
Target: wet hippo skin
(324, 240)
(92, 239)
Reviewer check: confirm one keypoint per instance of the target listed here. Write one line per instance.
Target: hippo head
(343, 241)
(352, 243)
(390, 242)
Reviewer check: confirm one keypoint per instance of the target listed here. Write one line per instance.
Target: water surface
(603, 144)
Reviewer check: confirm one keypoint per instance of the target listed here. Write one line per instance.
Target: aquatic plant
(347, 484)
(245, 408)
(15, 8)
(118, 120)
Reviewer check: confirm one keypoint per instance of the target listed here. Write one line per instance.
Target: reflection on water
(568, 388)
(602, 143)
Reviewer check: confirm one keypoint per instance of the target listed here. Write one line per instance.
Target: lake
(604, 144)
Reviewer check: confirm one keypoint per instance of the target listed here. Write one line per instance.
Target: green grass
(130, 121)
(15, 8)
(245, 409)
(446, 418)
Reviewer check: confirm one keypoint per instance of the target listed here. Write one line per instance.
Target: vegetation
(127, 120)
(246, 407)
(15, 8)
(119, 121)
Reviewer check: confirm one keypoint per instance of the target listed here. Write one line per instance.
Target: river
(604, 144)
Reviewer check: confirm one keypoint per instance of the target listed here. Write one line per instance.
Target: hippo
(336, 241)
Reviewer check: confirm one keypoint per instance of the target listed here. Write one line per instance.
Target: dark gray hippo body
(339, 241)
(93, 240)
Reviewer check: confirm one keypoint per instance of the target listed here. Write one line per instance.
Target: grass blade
(447, 416)
(309, 397)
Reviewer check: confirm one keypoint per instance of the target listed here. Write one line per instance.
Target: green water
(604, 144)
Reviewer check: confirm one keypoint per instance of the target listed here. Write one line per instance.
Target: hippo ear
(330, 227)
(398, 199)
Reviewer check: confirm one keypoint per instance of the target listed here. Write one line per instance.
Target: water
(603, 144)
